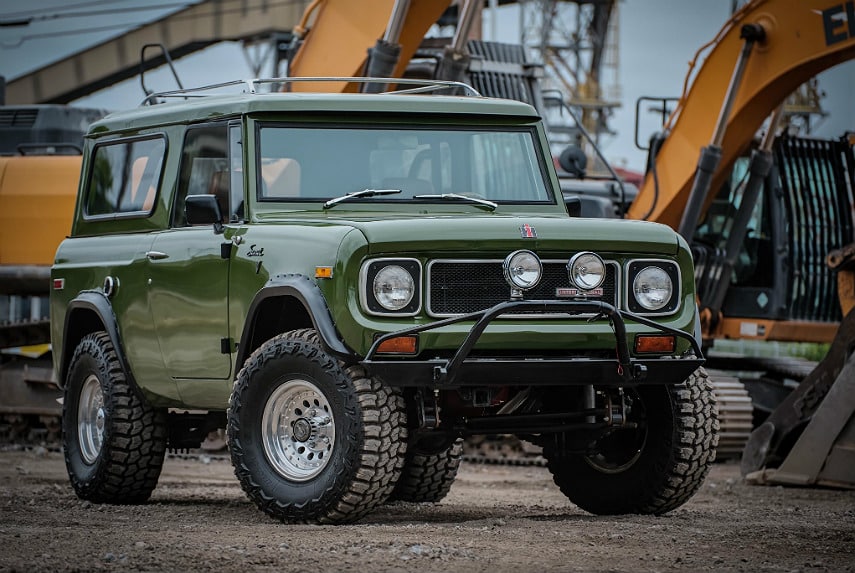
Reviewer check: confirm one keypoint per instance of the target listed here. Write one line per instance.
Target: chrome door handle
(156, 255)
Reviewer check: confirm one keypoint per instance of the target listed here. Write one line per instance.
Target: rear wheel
(310, 440)
(114, 442)
(650, 469)
(428, 473)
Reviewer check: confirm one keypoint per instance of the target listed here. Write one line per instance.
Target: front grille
(461, 287)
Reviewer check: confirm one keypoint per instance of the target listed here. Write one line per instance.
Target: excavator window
(714, 230)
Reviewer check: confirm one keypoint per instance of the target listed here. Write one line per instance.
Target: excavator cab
(779, 279)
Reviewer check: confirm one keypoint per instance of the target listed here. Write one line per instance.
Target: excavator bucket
(809, 439)
(824, 454)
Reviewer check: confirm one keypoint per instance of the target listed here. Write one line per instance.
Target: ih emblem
(528, 232)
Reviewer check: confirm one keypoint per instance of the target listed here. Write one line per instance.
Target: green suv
(350, 284)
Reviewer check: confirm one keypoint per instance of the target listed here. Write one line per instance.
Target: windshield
(323, 163)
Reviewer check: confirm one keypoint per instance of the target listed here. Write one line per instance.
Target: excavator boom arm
(801, 39)
(338, 39)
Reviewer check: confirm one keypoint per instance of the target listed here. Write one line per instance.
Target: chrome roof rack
(250, 86)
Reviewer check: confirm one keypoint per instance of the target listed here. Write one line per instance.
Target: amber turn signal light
(399, 345)
(655, 343)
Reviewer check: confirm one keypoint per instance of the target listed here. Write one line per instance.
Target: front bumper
(462, 369)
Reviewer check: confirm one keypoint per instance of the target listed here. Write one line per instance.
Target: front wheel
(310, 440)
(114, 442)
(651, 468)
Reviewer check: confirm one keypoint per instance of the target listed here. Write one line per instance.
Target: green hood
(500, 233)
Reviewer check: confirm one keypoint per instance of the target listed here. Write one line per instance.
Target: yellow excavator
(40, 158)
(762, 227)
(770, 224)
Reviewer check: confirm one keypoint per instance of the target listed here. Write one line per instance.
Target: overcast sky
(657, 40)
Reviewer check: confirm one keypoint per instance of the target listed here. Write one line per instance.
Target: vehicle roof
(212, 106)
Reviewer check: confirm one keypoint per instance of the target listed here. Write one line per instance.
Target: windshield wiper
(358, 194)
(458, 197)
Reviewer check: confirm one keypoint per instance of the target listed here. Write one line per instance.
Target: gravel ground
(496, 518)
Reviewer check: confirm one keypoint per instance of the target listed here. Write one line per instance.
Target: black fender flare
(97, 303)
(301, 288)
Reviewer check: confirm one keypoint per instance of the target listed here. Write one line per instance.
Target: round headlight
(522, 270)
(652, 288)
(394, 287)
(587, 270)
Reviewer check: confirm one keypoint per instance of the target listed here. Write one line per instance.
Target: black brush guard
(465, 370)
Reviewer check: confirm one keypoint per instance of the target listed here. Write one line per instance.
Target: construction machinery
(763, 221)
(40, 158)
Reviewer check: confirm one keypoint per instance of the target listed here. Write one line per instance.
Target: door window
(206, 169)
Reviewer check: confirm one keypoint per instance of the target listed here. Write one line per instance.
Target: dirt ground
(496, 518)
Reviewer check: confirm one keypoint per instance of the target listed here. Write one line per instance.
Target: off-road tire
(427, 476)
(680, 434)
(125, 466)
(368, 448)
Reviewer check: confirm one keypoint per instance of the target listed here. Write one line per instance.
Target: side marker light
(652, 343)
(399, 345)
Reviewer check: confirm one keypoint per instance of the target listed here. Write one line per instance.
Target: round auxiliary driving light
(523, 270)
(652, 288)
(587, 271)
(393, 287)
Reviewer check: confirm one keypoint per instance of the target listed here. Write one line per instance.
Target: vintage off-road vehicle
(350, 284)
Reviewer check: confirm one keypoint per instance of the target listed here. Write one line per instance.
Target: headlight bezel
(671, 268)
(369, 271)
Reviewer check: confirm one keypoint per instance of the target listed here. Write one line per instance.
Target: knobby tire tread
(134, 445)
(428, 477)
(383, 437)
(678, 473)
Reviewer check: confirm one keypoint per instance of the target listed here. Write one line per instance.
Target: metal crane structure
(577, 43)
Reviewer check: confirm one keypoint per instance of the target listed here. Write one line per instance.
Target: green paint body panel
(185, 294)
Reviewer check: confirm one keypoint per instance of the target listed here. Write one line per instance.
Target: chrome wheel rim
(90, 419)
(298, 430)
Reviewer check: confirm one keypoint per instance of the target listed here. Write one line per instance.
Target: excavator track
(735, 414)
(29, 408)
(502, 449)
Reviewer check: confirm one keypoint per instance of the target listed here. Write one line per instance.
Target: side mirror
(574, 205)
(573, 160)
(203, 210)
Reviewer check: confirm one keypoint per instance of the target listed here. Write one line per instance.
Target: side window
(124, 177)
(207, 170)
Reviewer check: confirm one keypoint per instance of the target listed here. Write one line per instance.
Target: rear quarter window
(124, 177)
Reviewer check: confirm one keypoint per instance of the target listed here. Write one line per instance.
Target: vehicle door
(188, 265)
